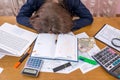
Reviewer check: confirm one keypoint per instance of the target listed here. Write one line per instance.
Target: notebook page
(44, 46)
(66, 47)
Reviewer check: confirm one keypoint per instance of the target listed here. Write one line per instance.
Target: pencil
(24, 56)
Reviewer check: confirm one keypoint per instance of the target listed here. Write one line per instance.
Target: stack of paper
(14, 40)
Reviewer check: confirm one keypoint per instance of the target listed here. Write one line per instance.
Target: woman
(75, 7)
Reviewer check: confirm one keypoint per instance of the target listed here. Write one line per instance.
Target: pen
(62, 67)
(56, 39)
(24, 56)
(93, 62)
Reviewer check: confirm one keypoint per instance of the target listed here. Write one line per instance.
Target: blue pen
(93, 62)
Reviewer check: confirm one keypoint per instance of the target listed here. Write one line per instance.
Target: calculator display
(32, 71)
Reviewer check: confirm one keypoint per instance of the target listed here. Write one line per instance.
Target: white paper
(44, 46)
(13, 43)
(66, 47)
(48, 66)
(86, 67)
(107, 33)
(1, 56)
(1, 69)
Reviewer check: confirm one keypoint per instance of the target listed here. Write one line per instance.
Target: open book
(14, 40)
(51, 46)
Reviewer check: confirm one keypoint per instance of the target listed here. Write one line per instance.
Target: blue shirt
(75, 7)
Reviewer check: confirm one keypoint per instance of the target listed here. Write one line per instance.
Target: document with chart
(14, 40)
(107, 34)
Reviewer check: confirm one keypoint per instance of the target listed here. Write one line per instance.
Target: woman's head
(51, 17)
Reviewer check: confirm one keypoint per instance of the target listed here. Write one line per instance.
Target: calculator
(109, 60)
(32, 66)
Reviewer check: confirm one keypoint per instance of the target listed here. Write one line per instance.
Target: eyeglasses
(116, 42)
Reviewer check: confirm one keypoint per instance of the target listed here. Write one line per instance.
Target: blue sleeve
(85, 17)
(26, 12)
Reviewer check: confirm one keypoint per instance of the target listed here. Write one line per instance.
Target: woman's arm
(27, 10)
(85, 17)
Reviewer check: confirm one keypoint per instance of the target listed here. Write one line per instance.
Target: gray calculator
(32, 66)
(109, 60)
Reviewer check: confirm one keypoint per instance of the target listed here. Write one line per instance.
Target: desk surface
(8, 62)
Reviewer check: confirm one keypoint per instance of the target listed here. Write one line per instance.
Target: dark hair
(52, 17)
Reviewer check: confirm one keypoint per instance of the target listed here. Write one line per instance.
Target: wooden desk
(10, 73)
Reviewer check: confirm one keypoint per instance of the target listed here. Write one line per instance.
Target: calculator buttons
(116, 62)
(110, 67)
(107, 58)
(32, 66)
(34, 62)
